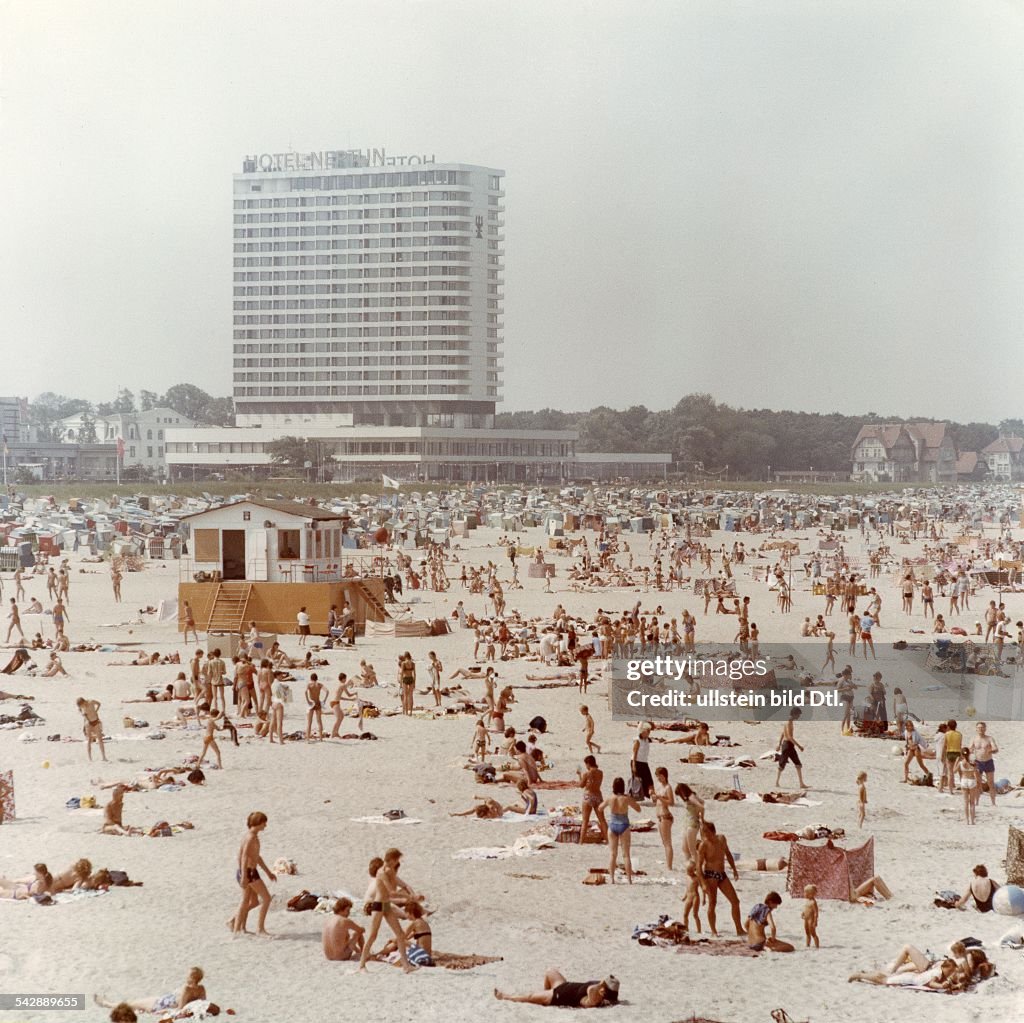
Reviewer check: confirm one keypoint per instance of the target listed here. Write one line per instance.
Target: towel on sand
(525, 845)
(381, 819)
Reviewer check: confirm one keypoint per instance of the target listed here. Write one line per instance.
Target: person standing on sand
(983, 749)
(315, 694)
(302, 625)
(190, 622)
(115, 582)
(712, 852)
(14, 616)
(787, 749)
(591, 778)
(435, 668)
(93, 728)
(215, 684)
(380, 905)
(209, 742)
(254, 890)
(407, 680)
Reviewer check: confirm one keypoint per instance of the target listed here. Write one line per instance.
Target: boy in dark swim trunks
(248, 877)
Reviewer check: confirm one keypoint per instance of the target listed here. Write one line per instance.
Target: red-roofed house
(1003, 458)
(904, 453)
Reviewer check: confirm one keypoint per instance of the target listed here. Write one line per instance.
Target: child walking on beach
(862, 797)
(588, 730)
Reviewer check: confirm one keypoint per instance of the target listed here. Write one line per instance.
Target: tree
(125, 402)
(148, 400)
(87, 431)
(194, 403)
(295, 452)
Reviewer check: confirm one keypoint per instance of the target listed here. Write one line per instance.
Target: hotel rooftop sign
(329, 159)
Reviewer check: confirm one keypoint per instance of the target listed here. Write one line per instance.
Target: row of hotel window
(354, 273)
(370, 316)
(339, 197)
(410, 242)
(305, 347)
(354, 360)
(424, 227)
(355, 390)
(422, 288)
(269, 333)
(284, 376)
(464, 215)
(460, 301)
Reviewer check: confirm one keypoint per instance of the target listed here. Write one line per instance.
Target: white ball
(897, 750)
(1009, 900)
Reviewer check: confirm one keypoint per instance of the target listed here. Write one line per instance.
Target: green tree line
(699, 429)
(48, 409)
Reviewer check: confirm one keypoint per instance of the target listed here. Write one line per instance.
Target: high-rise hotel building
(367, 300)
(369, 288)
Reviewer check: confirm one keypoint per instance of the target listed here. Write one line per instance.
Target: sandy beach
(532, 911)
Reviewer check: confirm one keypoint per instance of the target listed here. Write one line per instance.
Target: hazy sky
(788, 204)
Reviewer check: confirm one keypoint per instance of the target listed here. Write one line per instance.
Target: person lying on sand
(912, 968)
(700, 737)
(24, 888)
(486, 809)
(191, 991)
(557, 991)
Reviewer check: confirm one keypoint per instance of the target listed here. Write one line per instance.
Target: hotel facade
(368, 317)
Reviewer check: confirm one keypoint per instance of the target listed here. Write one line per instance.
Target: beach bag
(394, 815)
(303, 901)
(636, 787)
(73, 803)
(87, 802)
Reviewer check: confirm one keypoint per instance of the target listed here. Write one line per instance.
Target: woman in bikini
(663, 801)
(26, 888)
(967, 775)
(591, 778)
(192, 991)
(315, 693)
(693, 806)
(93, 727)
(618, 806)
(407, 680)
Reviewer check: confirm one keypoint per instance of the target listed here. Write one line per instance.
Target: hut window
(207, 545)
(288, 544)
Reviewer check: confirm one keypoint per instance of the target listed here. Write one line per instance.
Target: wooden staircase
(379, 611)
(229, 606)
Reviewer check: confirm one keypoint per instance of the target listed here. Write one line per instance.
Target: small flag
(120, 447)
(389, 482)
